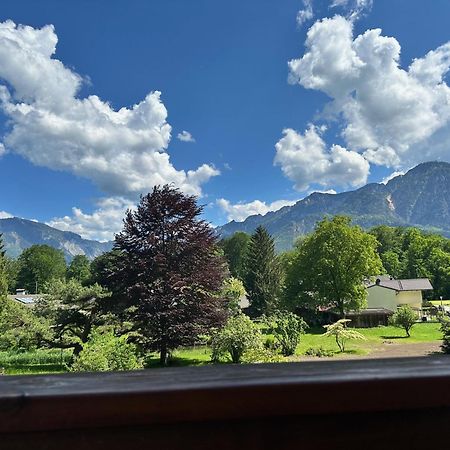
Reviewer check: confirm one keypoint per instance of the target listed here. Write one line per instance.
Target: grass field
(54, 361)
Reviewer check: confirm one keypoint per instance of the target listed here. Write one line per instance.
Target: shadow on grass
(153, 363)
(394, 337)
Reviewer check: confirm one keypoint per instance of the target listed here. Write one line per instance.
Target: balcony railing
(363, 404)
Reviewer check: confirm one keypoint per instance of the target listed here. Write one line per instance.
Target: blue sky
(354, 109)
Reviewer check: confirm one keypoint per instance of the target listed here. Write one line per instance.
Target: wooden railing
(363, 404)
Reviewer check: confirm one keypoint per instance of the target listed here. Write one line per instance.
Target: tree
(263, 275)
(40, 264)
(20, 329)
(404, 318)
(341, 333)
(235, 250)
(331, 266)
(238, 336)
(3, 270)
(287, 329)
(233, 290)
(79, 269)
(172, 270)
(73, 311)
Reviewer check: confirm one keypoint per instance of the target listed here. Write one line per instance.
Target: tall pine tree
(3, 270)
(263, 274)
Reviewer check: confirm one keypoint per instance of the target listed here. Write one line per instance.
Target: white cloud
(306, 13)
(327, 191)
(394, 116)
(101, 225)
(393, 175)
(305, 159)
(354, 8)
(185, 136)
(5, 215)
(240, 211)
(123, 151)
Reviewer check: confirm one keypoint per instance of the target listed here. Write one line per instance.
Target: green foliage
(445, 329)
(286, 328)
(79, 269)
(341, 333)
(171, 271)
(20, 329)
(73, 311)
(39, 264)
(3, 270)
(405, 318)
(235, 250)
(320, 352)
(330, 267)
(232, 290)
(412, 253)
(238, 336)
(263, 273)
(261, 355)
(104, 351)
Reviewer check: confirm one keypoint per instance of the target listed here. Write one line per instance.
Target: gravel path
(389, 349)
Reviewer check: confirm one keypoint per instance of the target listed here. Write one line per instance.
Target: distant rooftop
(412, 284)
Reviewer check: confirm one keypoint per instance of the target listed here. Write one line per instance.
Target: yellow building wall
(379, 297)
(411, 298)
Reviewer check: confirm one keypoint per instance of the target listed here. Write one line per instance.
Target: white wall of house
(380, 297)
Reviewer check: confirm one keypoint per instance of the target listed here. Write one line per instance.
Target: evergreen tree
(172, 271)
(3, 270)
(263, 274)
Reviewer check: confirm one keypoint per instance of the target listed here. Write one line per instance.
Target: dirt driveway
(390, 349)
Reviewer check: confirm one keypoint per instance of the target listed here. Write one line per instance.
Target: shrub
(105, 351)
(287, 329)
(404, 318)
(341, 333)
(239, 335)
(261, 355)
(320, 352)
(445, 328)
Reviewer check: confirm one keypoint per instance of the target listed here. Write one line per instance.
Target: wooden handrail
(218, 406)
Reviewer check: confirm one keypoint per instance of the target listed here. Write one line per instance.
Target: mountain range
(19, 234)
(420, 198)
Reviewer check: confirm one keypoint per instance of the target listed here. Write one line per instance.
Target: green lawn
(53, 361)
(34, 362)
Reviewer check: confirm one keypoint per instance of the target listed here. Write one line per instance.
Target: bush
(320, 352)
(404, 318)
(445, 328)
(104, 352)
(261, 355)
(20, 329)
(287, 329)
(239, 335)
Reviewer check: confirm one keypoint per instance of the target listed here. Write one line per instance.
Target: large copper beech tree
(172, 270)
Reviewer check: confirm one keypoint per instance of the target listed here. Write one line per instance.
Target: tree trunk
(163, 355)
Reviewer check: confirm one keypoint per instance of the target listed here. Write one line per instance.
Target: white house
(386, 295)
(389, 293)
